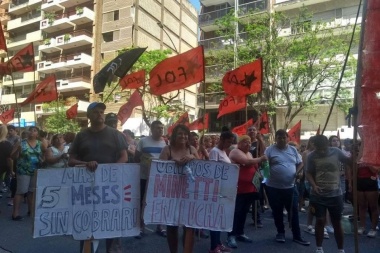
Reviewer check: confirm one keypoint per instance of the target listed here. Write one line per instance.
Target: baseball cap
(111, 117)
(96, 104)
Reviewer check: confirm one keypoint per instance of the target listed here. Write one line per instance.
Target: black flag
(118, 67)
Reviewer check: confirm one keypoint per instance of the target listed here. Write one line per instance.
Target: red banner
(7, 116)
(22, 61)
(126, 110)
(369, 98)
(200, 124)
(295, 133)
(3, 43)
(133, 81)
(184, 120)
(72, 112)
(245, 80)
(177, 72)
(242, 129)
(262, 125)
(46, 91)
(231, 104)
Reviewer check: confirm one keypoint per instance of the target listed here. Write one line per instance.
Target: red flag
(319, 130)
(126, 110)
(242, 129)
(22, 61)
(295, 133)
(3, 43)
(244, 80)
(7, 116)
(72, 112)
(200, 124)
(133, 81)
(177, 72)
(46, 91)
(184, 120)
(231, 104)
(262, 125)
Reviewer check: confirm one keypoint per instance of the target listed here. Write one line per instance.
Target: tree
(57, 122)
(301, 69)
(154, 106)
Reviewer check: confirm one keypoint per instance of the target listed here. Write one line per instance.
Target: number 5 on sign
(50, 197)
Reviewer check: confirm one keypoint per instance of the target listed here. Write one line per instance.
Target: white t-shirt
(150, 149)
(218, 155)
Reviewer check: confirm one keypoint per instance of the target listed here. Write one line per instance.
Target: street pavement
(16, 237)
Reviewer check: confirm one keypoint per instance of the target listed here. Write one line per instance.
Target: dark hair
(129, 132)
(34, 127)
(311, 141)
(226, 135)
(225, 129)
(11, 127)
(55, 137)
(332, 137)
(173, 137)
(41, 133)
(281, 132)
(69, 137)
(155, 123)
(321, 142)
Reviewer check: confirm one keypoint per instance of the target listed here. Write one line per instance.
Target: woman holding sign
(248, 187)
(180, 151)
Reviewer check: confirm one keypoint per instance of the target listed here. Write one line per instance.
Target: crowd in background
(284, 176)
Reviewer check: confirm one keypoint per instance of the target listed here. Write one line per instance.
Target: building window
(116, 15)
(301, 27)
(108, 37)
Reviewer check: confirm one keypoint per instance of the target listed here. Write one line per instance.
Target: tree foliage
(155, 107)
(302, 58)
(57, 122)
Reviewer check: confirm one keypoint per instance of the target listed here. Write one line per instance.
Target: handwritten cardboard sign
(208, 202)
(100, 204)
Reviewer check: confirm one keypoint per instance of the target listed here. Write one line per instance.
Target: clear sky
(196, 4)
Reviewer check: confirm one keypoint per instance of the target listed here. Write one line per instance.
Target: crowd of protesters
(282, 176)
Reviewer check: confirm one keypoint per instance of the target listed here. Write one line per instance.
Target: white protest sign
(100, 204)
(208, 202)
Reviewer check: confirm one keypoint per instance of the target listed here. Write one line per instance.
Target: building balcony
(216, 2)
(74, 84)
(67, 20)
(4, 4)
(18, 7)
(24, 39)
(23, 21)
(21, 78)
(212, 99)
(9, 99)
(70, 3)
(215, 73)
(284, 5)
(4, 18)
(216, 43)
(52, 5)
(207, 20)
(64, 62)
(66, 41)
(258, 6)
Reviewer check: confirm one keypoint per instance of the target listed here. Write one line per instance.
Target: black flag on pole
(117, 67)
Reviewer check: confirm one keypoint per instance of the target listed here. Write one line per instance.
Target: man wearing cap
(99, 144)
(111, 120)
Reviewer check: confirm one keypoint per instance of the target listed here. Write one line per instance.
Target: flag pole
(14, 90)
(34, 99)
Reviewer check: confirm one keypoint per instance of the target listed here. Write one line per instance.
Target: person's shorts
(25, 184)
(367, 185)
(319, 205)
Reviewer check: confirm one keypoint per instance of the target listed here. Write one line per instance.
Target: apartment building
(75, 39)
(336, 13)
(168, 24)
